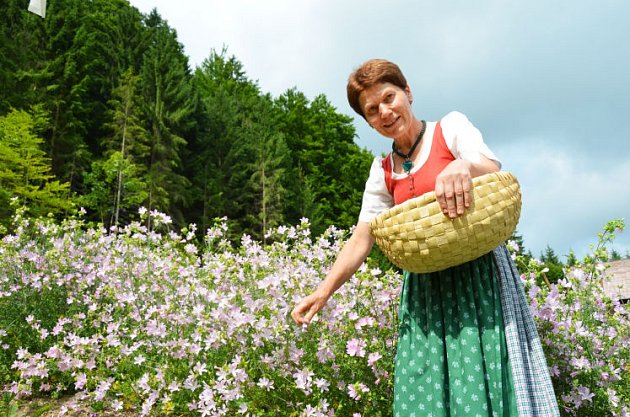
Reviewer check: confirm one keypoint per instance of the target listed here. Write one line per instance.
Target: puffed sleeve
(464, 140)
(376, 198)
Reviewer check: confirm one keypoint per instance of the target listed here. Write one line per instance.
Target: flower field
(146, 321)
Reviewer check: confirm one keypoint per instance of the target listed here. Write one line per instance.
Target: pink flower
(612, 397)
(265, 384)
(324, 354)
(355, 390)
(200, 368)
(352, 391)
(585, 393)
(102, 388)
(303, 380)
(81, 381)
(322, 384)
(117, 405)
(207, 403)
(580, 363)
(356, 347)
(373, 357)
(364, 321)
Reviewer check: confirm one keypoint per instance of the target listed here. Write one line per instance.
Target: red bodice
(422, 180)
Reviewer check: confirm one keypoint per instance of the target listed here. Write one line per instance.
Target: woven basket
(417, 237)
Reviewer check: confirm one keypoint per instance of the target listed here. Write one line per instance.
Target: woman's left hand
(453, 186)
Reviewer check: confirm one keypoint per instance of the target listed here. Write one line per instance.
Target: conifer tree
(551, 261)
(322, 144)
(169, 106)
(131, 139)
(19, 31)
(572, 259)
(268, 161)
(25, 170)
(115, 182)
(217, 151)
(62, 92)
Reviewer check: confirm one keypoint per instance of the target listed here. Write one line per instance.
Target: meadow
(146, 321)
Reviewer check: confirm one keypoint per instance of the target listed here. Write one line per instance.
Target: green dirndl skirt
(451, 357)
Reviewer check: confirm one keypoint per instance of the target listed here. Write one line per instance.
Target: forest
(100, 109)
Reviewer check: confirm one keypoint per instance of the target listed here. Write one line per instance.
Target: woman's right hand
(348, 261)
(308, 307)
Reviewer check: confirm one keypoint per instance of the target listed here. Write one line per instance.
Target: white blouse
(462, 138)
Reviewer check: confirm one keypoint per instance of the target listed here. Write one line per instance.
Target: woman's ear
(409, 95)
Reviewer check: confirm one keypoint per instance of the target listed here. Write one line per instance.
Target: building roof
(619, 283)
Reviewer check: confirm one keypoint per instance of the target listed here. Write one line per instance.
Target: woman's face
(387, 108)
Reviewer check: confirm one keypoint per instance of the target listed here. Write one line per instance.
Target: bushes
(148, 321)
(585, 334)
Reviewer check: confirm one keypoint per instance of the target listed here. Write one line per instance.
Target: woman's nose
(384, 110)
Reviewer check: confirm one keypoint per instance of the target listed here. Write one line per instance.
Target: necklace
(408, 163)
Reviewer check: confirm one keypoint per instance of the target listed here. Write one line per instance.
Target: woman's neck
(406, 141)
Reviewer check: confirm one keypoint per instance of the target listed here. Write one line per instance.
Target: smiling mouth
(388, 125)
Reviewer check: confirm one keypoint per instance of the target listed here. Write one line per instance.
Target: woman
(467, 344)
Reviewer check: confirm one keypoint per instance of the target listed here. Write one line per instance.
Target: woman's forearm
(352, 255)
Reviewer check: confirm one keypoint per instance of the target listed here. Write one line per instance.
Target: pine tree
(321, 142)
(25, 170)
(551, 261)
(169, 106)
(572, 260)
(131, 139)
(18, 33)
(62, 92)
(615, 255)
(219, 148)
(115, 181)
(106, 44)
(268, 162)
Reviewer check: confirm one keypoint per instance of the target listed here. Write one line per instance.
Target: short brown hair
(372, 72)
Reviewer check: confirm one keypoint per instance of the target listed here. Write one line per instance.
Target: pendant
(407, 165)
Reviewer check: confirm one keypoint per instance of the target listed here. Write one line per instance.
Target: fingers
(304, 312)
(310, 314)
(298, 314)
(462, 195)
(467, 188)
(440, 195)
(459, 201)
(453, 194)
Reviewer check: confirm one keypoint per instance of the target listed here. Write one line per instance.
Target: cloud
(566, 200)
(546, 83)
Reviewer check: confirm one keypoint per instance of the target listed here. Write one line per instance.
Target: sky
(546, 82)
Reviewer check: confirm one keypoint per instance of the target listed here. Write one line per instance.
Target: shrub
(585, 333)
(142, 319)
(149, 321)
